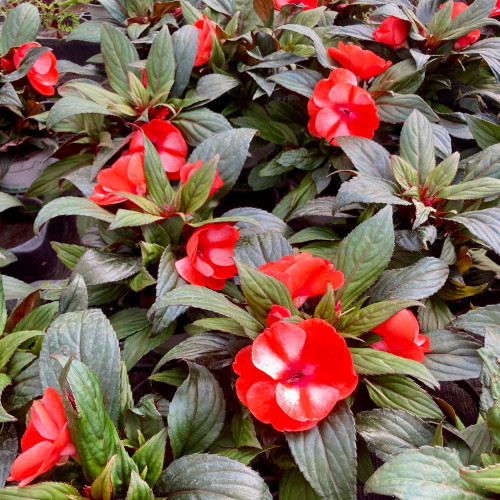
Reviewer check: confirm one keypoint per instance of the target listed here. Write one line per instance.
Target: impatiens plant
(285, 254)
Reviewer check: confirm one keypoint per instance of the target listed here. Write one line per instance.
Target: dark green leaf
(151, 455)
(75, 297)
(293, 486)
(197, 188)
(396, 108)
(156, 179)
(20, 26)
(89, 336)
(41, 491)
(326, 454)
(211, 477)
(196, 413)
(160, 64)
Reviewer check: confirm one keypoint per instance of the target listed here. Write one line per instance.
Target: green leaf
(421, 280)
(91, 430)
(211, 477)
(487, 478)
(20, 26)
(8, 452)
(121, 472)
(89, 336)
(396, 108)
(41, 491)
(400, 393)
(156, 179)
(390, 432)
(70, 205)
(477, 320)
(471, 190)
(102, 486)
(138, 489)
(4, 416)
(258, 249)
(293, 486)
(196, 296)
(443, 174)
(3, 308)
(198, 125)
(475, 16)
(366, 318)
(71, 106)
(326, 308)
(232, 148)
(75, 297)
(6, 258)
(433, 472)
(215, 347)
(301, 81)
(485, 132)
(435, 315)
(7, 201)
(185, 45)
(314, 233)
(262, 291)
(372, 362)
(119, 54)
(103, 267)
(160, 64)
(483, 164)
(417, 145)
(11, 342)
(15, 289)
(453, 356)
(321, 53)
(197, 188)
(212, 86)
(484, 224)
(364, 254)
(151, 455)
(131, 218)
(326, 454)
(243, 430)
(196, 412)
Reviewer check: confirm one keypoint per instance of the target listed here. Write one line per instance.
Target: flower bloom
(43, 75)
(293, 374)
(126, 174)
(277, 313)
(169, 143)
(363, 63)
(496, 10)
(393, 31)
(46, 441)
(304, 275)
(306, 4)
(401, 336)
(471, 37)
(190, 168)
(205, 29)
(340, 108)
(209, 260)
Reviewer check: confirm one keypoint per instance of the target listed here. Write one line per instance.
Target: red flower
(471, 37)
(190, 168)
(393, 31)
(496, 10)
(277, 313)
(169, 143)
(306, 4)
(363, 63)
(46, 441)
(294, 374)
(205, 29)
(401, 336)
(126, 174)
(43, 75)
(304, 275)
(209, 260)
(340, 108)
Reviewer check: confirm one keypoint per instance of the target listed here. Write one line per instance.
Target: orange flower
(126, 174)
(340, 108)
(363, 63)
(401, 336)
(205, 29)
(46, 441)
(43, 75)
(306, 4)
(304, 275)
(393, 31)
(293, 375)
